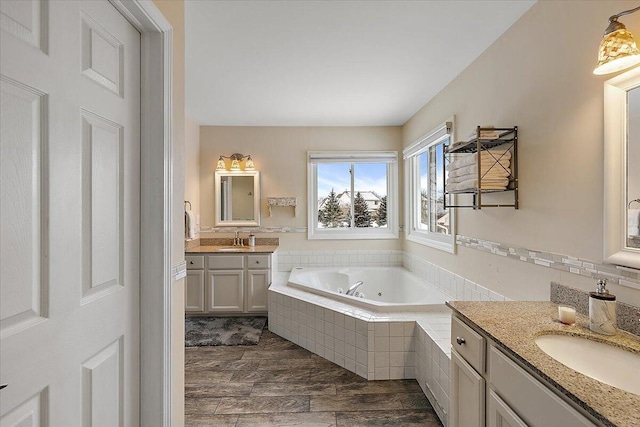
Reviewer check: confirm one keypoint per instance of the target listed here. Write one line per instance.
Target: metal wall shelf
(508, 139)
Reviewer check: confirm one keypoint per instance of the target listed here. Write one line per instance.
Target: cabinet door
(257, 290)
(467, 394)
(500, 415)
(225, 291)
(194, 291)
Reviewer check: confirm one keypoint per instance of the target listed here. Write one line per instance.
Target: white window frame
(388, 157)
(414, 233)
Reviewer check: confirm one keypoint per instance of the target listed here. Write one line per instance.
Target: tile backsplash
(628, 316)
(383, 258)
(623, 276)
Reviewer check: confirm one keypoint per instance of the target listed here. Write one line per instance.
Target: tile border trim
(619, 275)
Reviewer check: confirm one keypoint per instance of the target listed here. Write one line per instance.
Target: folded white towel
(473, 183)
(190, 224)
(633, 221)
(486, 157)
(493, 170)
(485, 180)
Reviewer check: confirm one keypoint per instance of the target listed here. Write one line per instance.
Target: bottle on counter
(602, 310)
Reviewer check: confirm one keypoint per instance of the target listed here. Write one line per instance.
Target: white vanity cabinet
(490, 388)
(227, 283)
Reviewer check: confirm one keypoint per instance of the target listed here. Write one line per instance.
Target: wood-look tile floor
(277, 383)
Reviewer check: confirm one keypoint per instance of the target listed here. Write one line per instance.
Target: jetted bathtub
(384, 288)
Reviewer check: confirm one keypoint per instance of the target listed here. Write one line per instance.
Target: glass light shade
(617, 51)
(221, 165)
(248, 165)
(235, 166)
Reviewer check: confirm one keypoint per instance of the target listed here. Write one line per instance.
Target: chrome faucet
(354, 287)
(237, 240)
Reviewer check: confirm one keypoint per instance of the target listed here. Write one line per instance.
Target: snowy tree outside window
(350, 194)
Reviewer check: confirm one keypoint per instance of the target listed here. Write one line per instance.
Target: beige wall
(538, 76)
(173, 11)
(192, 164)
(280, 154)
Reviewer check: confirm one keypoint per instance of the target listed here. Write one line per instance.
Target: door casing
(156, 176)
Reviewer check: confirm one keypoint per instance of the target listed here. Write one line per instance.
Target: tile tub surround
(376, 346)
(628, 316)
(382, 258)
(513, 326)
(451, 284)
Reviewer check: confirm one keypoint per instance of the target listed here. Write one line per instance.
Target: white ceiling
(330, 63)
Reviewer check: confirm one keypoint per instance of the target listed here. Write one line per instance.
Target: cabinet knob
(257, 262)
(191, 262)
(460, 340)
(3, 386)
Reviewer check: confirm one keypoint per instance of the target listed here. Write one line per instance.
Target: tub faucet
(354, 287)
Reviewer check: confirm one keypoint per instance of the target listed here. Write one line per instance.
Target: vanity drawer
(194, 262)
(468, 343)
(528, 397)
(257, 262)
(226, 262)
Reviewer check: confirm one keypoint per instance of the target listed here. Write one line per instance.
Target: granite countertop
(259, 249)
(514, 325)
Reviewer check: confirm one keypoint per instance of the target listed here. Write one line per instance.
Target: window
(428, 222)
(353, 195)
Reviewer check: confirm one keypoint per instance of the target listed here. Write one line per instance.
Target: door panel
(23, 294)
(103, 233)
(26, 20)
(102, 382)
(70, 197)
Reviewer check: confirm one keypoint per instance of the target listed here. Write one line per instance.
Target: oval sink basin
(605, 363)
(232, 249)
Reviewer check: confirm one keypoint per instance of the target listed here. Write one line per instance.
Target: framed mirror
(622, 169)
(237, 198)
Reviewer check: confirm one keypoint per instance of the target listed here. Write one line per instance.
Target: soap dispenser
(602, 310)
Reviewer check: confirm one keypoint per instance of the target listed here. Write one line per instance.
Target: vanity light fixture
(618, 49)
(236, 158)
(221, 164)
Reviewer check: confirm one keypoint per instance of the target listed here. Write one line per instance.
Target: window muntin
(352, 195)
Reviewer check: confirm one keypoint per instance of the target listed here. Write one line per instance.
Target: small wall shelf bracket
(283, 202)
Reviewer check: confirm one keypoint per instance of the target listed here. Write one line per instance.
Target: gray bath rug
(205, 331)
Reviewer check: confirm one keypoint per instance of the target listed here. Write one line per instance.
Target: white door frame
(156, 175)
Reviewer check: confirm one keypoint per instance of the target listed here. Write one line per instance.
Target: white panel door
(70, 216)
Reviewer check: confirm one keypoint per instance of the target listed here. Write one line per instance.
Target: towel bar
(187, 202)
(631, 201)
